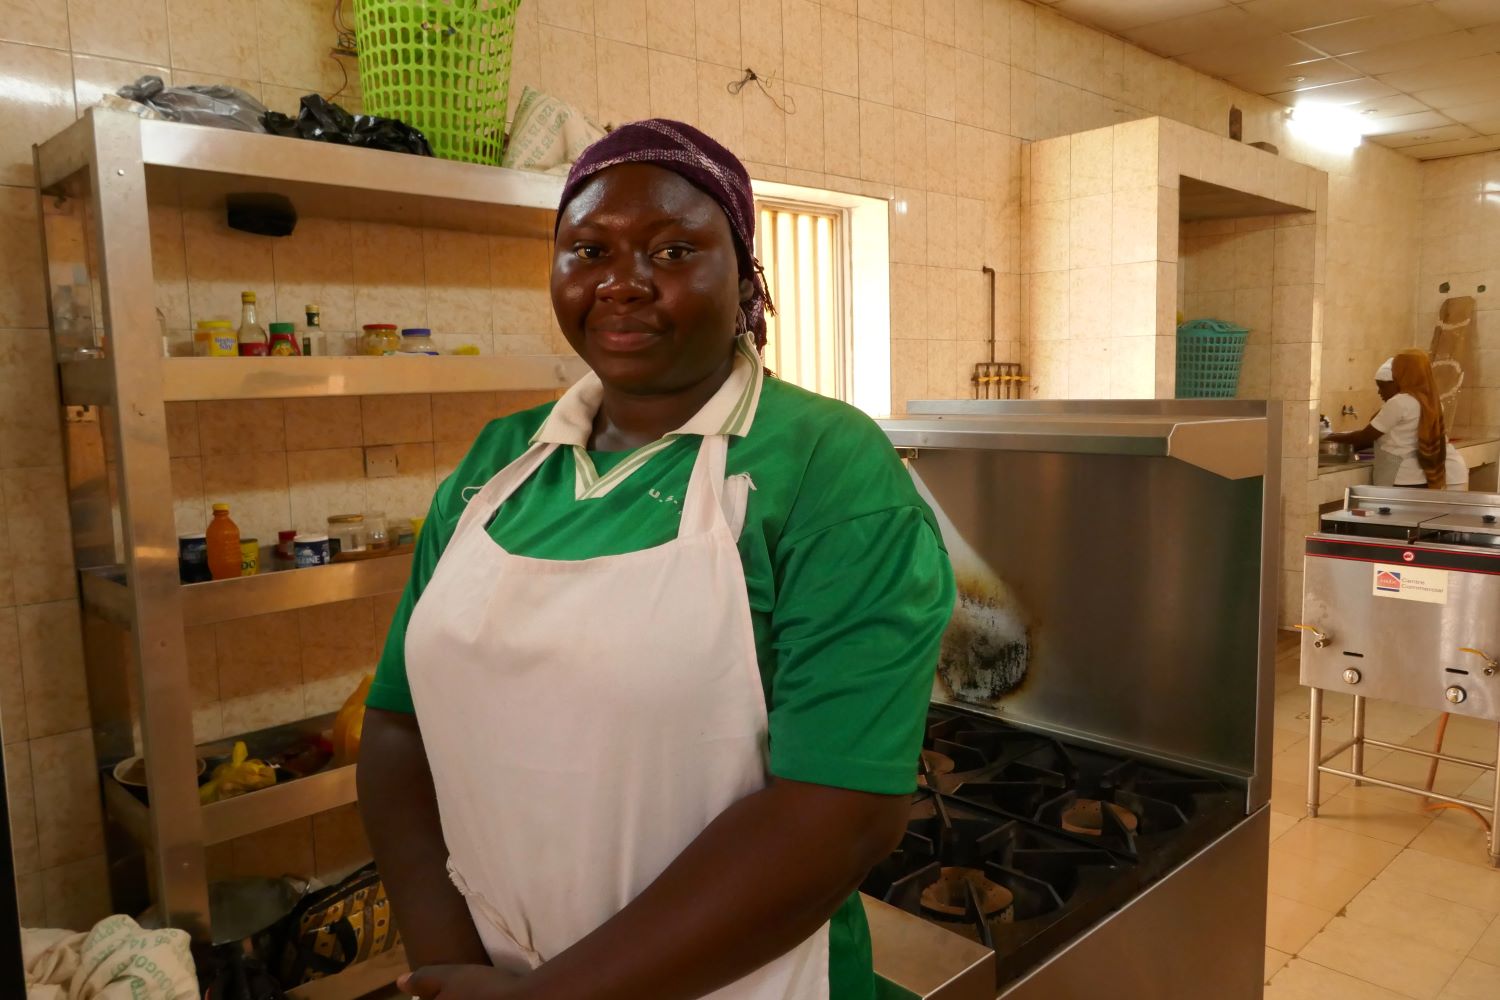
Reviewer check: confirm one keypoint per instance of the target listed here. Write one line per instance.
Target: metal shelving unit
(96, 179)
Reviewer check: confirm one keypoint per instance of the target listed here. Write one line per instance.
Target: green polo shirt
(849, 586)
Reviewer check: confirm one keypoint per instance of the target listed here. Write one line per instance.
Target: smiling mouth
(624, 339)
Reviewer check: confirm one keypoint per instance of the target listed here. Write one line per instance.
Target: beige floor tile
(1427, 919)
(1488, 947)
(1474, 980)
(1315, 883)
(1396, 723)
(1451, 779)
(1384, 956)
(1303, 980)
(1395, 817)
(1283, 738)
(1282, 824)
(1332, 845)
(1465, 737)
(1450, 880)
(1274, 961)
(1457, 836)
(1290, 924)
(1290, 796)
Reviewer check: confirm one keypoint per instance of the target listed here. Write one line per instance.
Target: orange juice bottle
(223, 538)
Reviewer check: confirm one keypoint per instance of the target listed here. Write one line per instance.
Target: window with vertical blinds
(802, 249)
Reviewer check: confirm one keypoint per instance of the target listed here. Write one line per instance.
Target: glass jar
(379, 340)
(377, 534)
(346, 533)
(418, 341)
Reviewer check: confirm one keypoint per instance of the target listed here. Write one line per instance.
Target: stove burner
(937, 763)
(958, 889)
(1086, 816)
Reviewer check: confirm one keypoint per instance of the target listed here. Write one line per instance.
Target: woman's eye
(673, 253)
(587, 253)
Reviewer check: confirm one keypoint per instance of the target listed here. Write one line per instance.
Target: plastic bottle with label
(223, 538)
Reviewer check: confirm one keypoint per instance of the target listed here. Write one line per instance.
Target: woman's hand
(460, 982)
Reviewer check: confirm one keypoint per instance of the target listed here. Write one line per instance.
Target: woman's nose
(627, 280)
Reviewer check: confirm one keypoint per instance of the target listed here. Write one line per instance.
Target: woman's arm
(400, 811)
(1362, 438)
(759, 880)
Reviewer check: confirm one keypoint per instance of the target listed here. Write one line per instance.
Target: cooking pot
(1336, 450)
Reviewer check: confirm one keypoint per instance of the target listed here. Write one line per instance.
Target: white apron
(586, 720)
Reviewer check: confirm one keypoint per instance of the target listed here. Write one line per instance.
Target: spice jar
(377, 535)
(379, 340)
(346, 533)
(417, 341)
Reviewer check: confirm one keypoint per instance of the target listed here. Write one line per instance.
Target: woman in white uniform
(1411, 446)
(652, 703)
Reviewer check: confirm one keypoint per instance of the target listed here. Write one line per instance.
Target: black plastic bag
(219, 105)
(325, 121)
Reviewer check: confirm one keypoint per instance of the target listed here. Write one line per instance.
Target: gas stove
(1094, 812)
(1018, 841)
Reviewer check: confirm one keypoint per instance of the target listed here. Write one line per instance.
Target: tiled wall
(925, 102)
(1461, 246)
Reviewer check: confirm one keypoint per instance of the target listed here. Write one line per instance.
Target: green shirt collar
(730, 411)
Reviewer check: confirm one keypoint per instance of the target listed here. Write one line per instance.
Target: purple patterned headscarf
(705, 164)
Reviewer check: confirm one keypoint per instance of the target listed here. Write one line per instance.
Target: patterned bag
(335, 927)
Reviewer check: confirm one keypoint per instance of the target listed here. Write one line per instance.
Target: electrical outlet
(380, 461)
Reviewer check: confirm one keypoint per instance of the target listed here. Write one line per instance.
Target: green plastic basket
(1208, 359)
(442, 66)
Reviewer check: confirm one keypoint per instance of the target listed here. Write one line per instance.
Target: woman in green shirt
(652, 702)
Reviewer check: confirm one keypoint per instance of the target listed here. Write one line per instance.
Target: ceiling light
(1329, 126)
(1296, 79)
(1370, 111)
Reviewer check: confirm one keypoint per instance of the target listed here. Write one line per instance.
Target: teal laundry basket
(1208, 359)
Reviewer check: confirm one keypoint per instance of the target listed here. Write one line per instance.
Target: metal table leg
(1495, 813)
(1359, 738)
(1314, 749)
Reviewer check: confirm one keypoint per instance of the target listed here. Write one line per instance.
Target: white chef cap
(1384, 372)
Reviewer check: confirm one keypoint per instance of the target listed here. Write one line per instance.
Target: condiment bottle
(216, 338)
(223, 538)
(379, 340)
(253, 339)
(417, 341)
(284, 340)
(314, 327)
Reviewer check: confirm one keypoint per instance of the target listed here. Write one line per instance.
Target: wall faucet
(1348, 411)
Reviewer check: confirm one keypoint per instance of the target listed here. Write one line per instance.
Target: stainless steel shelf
(270, 378)
(252, 812)
(243, 814)
(204, 164)
(357, 980)
(107, 595)
(87, 383)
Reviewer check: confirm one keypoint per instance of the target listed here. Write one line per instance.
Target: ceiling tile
(1348, 92)
(1458, 96)
(1470, 13)
(1453, 147)
(1421, 52)
(1411, 124)
(1388, 107)
(1198, 31)
(1442, 133)
(1112, 15)
(1362, 33)
(1476, 116)
(1445, 74)
(1279, 79)
(1295, 15)
(1259, 55)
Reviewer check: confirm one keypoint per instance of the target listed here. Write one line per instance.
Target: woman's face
(1386, 389)
(645, 282)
